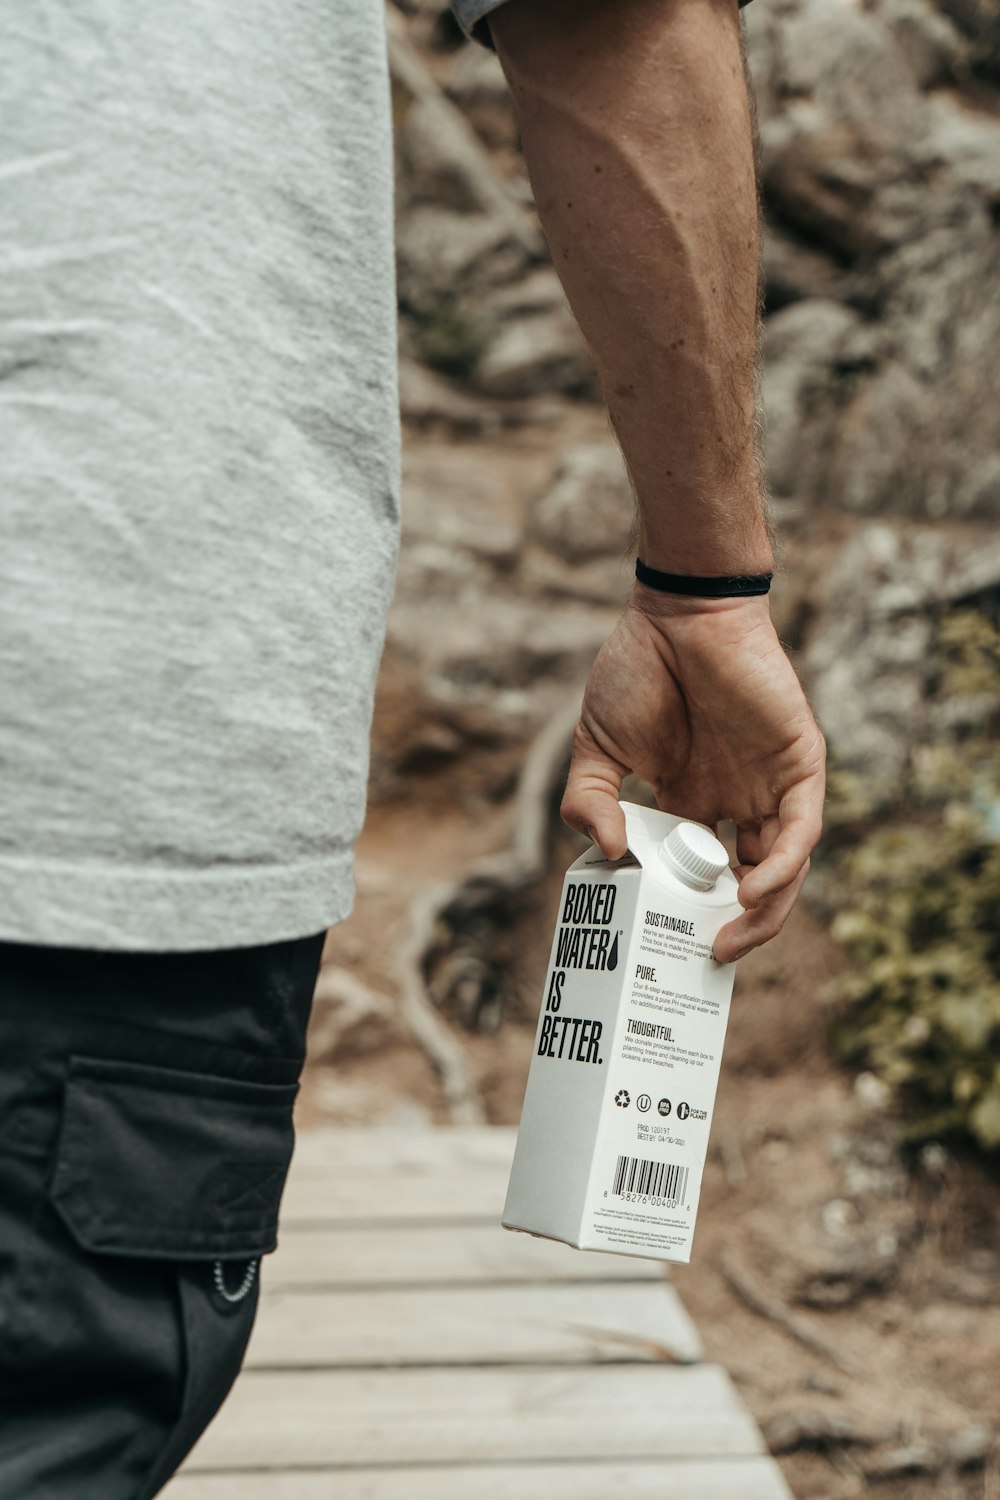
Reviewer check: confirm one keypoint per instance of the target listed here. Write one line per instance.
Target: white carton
(614, 1129)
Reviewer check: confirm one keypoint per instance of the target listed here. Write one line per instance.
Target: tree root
(445, 962)
(470, 938)
(775, 1311)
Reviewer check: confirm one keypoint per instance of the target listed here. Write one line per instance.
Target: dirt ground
(850, 1289)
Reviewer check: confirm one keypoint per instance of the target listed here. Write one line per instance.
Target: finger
(760, 925)
(800, 816)
(754, 841)
(590, 802)
(748, 849)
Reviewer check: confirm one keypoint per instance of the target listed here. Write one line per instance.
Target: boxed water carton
(614, 1129)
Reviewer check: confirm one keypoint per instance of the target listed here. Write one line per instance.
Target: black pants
(145, 1135)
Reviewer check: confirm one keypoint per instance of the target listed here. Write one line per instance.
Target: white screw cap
(695, 855)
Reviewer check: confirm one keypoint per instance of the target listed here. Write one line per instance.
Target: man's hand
(698, 698)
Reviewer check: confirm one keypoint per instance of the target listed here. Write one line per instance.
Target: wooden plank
(388, 1152)
(325, 1198)
(581, 1324)
(437, 1255)
(705, 1479)
(358, 1418)
(432, 1152)
(372, 1176)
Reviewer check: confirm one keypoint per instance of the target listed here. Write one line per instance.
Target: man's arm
(636, 129)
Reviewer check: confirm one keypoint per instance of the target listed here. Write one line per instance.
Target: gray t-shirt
(199, 446)
(200, 455)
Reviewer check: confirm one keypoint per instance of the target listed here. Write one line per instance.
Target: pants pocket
(153, 1162)
(168, 1184)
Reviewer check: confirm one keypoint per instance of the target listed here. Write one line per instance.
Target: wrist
(743, 547)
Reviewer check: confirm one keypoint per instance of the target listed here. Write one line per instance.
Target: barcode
(650, 1179)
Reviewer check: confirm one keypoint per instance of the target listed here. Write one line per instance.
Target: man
(200, 445)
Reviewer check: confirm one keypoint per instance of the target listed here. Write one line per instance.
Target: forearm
(636, 132)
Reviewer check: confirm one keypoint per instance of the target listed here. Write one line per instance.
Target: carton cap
(694, 855)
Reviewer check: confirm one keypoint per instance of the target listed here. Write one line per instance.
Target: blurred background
(847, 1259)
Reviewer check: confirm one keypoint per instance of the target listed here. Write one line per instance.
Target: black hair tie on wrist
(735, 586)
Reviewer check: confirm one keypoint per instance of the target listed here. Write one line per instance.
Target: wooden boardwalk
(407, 1348)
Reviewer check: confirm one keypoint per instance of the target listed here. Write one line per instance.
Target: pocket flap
(158, 1163)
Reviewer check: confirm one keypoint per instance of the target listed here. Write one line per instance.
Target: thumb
(590, 802)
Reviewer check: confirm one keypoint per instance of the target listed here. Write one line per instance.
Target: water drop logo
(612, 958)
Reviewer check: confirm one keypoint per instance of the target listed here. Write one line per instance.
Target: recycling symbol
(623, 1098)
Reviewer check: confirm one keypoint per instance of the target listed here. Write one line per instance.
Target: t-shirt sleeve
(472, 15)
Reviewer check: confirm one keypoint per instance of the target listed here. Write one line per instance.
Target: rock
(538, 291)
(508, 647)
(839, 132)
(844, 60)
(809, 336)
(441, 254)
(880, 437)
(603, 580)
(459, 225)
(439, 156)
(964, 145)
(920, 438)
(466, 648)
(907, 426)
(432, 164)
(539, 353)
(762, 41)
(470, 674)
(858, 162)
(538, 346)
(813, 350)
(435, 517)
(794, 270)
(589, 510)
(931, 47)
(979, 20)
(866, 659)
(427, 399)
(837, 183)
(477, 85)
(930, 292)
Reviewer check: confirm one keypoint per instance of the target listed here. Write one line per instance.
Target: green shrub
(918, 908)
(924, 1014)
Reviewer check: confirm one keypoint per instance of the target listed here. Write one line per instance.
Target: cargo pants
(145, 1136)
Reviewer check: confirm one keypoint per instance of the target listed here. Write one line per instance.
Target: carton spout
(689, 850)
(645, 827)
